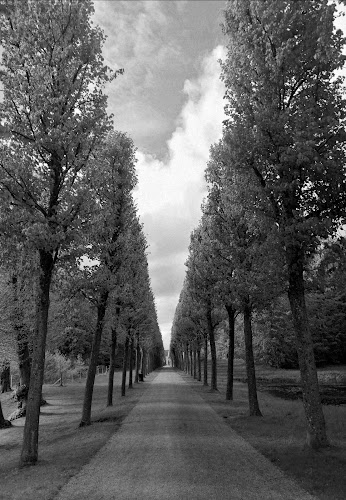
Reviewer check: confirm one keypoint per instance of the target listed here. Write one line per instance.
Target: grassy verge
(63, 447)
(280, 436)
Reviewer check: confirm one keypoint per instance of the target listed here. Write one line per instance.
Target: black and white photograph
(172, 249)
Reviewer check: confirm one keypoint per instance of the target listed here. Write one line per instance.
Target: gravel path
(173, 445)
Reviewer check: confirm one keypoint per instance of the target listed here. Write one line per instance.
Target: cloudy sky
(170, 101)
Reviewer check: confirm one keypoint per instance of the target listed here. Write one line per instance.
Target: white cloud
(170, 192)
(133, 29)
(181, 5)
(137, 40)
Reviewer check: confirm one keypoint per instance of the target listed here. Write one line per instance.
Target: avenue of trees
(269, 248)
(73, 253)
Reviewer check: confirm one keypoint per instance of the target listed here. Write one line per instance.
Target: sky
(170, 101)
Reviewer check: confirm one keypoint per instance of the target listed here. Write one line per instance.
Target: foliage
(71, 324)
(54, 113)
(284, 100)
(241, 234)
(7, 340)
(56, 367)
(274, 341)
(274, 337)
(189, 321)
(328, 325)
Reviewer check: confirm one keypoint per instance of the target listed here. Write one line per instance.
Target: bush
(274, 336)
(328, 326)
(56, 367)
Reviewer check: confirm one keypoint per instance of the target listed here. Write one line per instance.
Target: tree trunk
(250, 364)
(95, 349)
(138, 361)
(5, 379)
(143, 362)
(230, 364)
(147, 363)
(125, 360)
(24, 363)
(194, 364)
(23, 353)
(3, 422)
(205, 364)
(111, 367)
(213, 382)
(191, 362)
(199, 367)
(316, 427)
(29, 453)
(131, 364)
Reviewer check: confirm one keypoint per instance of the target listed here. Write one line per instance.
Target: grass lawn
(280, 433)
(63, 447)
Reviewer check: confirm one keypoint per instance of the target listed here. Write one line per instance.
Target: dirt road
(174, 446)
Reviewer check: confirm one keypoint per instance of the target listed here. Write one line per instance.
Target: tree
(241, 237)
(203, 280)
(5, 376)
(114, 339)
(71, 321)
(54, 115)
(145, 323)
(286, 117)
(63, 364)
(137, 301)
(3, 422)
(112, 184)
(18, 275)
(189, 327)
(19, 265)
(17, 306)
